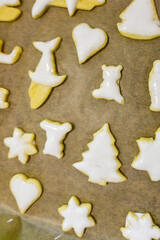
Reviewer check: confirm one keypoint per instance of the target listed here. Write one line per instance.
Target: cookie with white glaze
(9, 11)
(3, 98)
(12, 57)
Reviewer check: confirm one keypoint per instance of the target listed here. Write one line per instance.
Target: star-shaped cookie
(21, 145)
(148, 158)
(77, 216)
(139, 226)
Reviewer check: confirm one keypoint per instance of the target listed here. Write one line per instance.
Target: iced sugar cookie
(45, 76)
(140, 20)
(25, 191)
(148, 158)
(109, 88)
(56, 133)
(40, 6)
(100, 162)
(12, 57)
(88, 41)
(8, 12)
(154, 86)
(77, 216)
(3, 98)
(21, 145)
(139, 226)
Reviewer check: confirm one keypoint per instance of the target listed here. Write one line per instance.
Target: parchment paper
(73, 102)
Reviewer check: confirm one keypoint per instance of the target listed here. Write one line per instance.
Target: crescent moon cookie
(100, 162)
(148, 158)
(77, 216)
(88, 41)
(45, 76)
(140, 20)
(21, 145)
(154, 86)
(56, 133)
(8, 12)
(109, 88)
(40, 6)
(3, 98)
(140, 226)
(25, 191)
(12, 57)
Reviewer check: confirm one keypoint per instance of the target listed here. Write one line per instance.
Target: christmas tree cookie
(100, 162)
(88, 41)
(56, 133)
(139, 226)
(12, 57)
(40, 6)
(154, 86)
(3, 98)
(77, 216)
(148, 158)
(25, 191)
(140, 20)
(8, 10)
(45, 76)
(21, 145)
(109, 88)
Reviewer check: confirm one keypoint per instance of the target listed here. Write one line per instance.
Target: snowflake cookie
(140, 20)
(8, 12)
(56, 133)
(12, 57)
(77, 216)
(40, 6)
(21, 145)
(88, 41)
(139, 226)
(45, 76)
(25, 191)
(109, 88)
(3, 98)
(148, 158)
(100, 162)
(154, 86)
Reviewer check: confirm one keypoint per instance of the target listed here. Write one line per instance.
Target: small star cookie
(8, 12)
(139, 226)
(56, 133)
(25, 191)
(21, 145)
(148, 158)
(100, 162)
(40, 6)
(12, 57)
(77, 216)
(88, 41)
(3, 98)
(109, 88)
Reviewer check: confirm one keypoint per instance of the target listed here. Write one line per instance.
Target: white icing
(139, 226)
(71, 5)
(88, 41)
(76, 217)
(45, 72)
(24, 192)
(100, 162)
(9, 58)
(3, 97)
(140, 18)
(9, 2)
(56, 133)
(154, 86)
(148, 158)
(21, 145)
(109, 88)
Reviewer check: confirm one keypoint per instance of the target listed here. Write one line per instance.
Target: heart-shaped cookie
(88, 41)
(25, 190)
